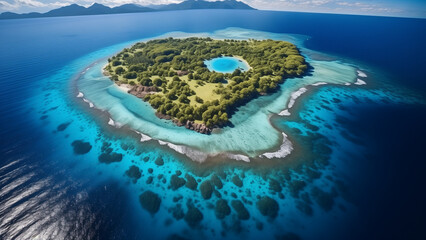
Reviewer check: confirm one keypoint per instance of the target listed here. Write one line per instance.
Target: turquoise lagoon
(226, 64)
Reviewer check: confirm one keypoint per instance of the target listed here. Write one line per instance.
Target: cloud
(330, 6)
(18, 4)
(29, 3)
(8, 6)
(366, 7)
(284, 4)
(114, 3)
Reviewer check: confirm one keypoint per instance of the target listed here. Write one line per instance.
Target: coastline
(141, 91)
(256, 135)
(283, 149)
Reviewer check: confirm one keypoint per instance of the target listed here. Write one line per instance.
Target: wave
(319, 84)
(361, 74)
(360, 82)
(80, 95)
(114, 123)
(285, 149)
(284, 112)
(189, 152)
(238, 157)
(200, 156)
(144, 137)
(295, 95)
(111, 122)
(89, 102)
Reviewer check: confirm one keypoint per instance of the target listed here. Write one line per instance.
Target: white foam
(347, 84)
(360, 82)
(319, 84)
(361, 73)
(111, 122)
(178, 148)
(189, 152)
(89, 102)
(80, 95)
(239, 157)
(284, 112)
(198, 155)
(295, 95)
(144, 137)
(285, 149)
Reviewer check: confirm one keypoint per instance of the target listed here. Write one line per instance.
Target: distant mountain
(77, 10)
(11, 15)
(96, 9)
(131, 8)
(201, 4)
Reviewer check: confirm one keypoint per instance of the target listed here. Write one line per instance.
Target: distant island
(172, 76)
(97, 9)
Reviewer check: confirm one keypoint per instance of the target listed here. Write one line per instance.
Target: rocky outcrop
(80, 147)
(191, 183)
(237, 181)
(268, 207)
(134, 173)
(162, 116)
(193, 217)
(150, 201)
(206, 189)
(181, 73)
(176, 182)
(198, 127)
(141, 91)
(222, 209)
(191, 125)
(241, 210)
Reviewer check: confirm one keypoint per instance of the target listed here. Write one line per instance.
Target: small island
(172, 75)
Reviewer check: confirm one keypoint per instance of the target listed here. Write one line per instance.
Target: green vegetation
(187, 91)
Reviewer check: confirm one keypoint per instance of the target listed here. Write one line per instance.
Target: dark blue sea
(359, 171)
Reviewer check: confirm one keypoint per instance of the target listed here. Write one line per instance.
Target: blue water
(226, 64)
(375, 133)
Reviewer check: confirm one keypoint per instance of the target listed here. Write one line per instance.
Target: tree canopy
(176, 68)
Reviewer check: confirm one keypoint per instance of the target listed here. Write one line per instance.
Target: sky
(399, 8)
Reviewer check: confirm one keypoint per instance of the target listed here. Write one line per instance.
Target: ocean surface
(81, 159)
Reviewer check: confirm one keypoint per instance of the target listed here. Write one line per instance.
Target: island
(171, 74)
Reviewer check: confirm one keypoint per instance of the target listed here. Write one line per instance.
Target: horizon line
(156, 10)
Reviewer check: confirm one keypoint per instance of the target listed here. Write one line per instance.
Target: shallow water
(48, 190)
(226, 64)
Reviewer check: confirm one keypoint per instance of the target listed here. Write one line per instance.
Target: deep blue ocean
(47, 192)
